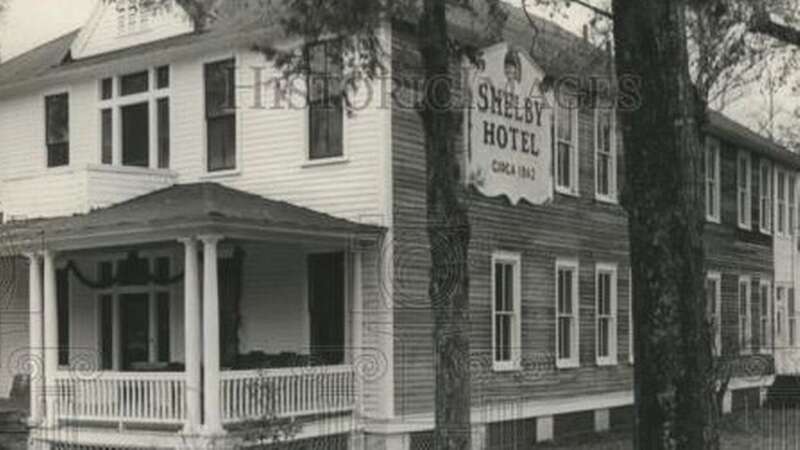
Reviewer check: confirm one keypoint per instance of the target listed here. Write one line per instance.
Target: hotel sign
(509, 127)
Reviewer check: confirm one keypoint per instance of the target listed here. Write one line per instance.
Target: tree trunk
(674, 379)
(449, 234)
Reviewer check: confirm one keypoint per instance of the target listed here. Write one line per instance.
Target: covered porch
(197, 308)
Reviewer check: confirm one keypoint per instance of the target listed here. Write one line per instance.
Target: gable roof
(729, 130)
(37, 62)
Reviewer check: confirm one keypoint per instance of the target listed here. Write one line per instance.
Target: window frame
(574, 167)
(716, 312)
(746, 338)
(765, 196)
(513, 259)
(765, 332)
(611, 196)
(574, 360)
(712, 149)
(744, 217)
(781, 197)
(48, 95)
(116, 103)
(232, 115)
(631, 346)
(327, 158)
(791, 316)
(609, 269)
(791, 200)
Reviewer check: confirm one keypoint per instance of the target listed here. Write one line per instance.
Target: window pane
(220, 88)
(107, 136)
(136, 135)
(603, 340)
(163, 133)
(564, 123)
(134, 83)
(106, 88)
(565, 337)
(162, 77)
(508, 300)
(603, 171)
(57, 129)
(498, 287)
(326, 118)
(564, 165)
(222, 143)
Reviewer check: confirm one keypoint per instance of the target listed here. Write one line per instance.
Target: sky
(29, 23)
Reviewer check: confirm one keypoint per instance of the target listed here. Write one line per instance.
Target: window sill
(606, 362)
(325, 161)
(745, 227)
(221, 174)
(563, 364)
(610, 199)
(130, 169)
(715, 220)
(765, 232)
(506, 367)
(567, 191)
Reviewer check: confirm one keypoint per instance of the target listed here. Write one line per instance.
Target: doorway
(135, 339)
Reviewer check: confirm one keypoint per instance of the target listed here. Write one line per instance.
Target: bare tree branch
(762, 23)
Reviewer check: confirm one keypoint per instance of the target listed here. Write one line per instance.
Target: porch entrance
(135, 330)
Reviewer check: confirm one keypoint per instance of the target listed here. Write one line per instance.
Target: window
(712, 180)
(136, 135)
(107, 136)
(220, 115)
(765, 308)
(135, 123)
(506, 310)
(714, 305)
(781, 186)
(106, 88)
(630, 317)
(792, 230)
(57, 129)
(765, 190)
(744, 179)
(606, 308)
(162, 77)
(566, 149)
(792, 313)
(134, 83)
(567, 314)
(605, 154)
(163, 132)
(325, 101)
(745, 325)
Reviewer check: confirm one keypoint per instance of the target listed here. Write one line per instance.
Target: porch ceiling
(180, 211)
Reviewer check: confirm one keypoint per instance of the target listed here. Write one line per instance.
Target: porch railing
(257, 394)
(122, 397)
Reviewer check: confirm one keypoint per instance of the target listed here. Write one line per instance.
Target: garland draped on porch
(123, 276)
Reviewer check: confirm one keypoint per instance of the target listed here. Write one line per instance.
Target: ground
(763, 429)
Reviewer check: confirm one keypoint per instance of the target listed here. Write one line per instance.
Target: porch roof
(180, 211)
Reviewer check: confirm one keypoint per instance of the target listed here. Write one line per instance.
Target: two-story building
(203, 250)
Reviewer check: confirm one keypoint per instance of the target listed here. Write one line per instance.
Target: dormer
(118, 24)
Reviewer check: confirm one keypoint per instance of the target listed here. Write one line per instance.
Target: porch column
(356, 322)
(191, 298)
(116, 334)
(50, 336)
(211, 346)
(36, 339)
(152, 331)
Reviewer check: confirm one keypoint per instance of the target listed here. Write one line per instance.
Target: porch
(196, 309)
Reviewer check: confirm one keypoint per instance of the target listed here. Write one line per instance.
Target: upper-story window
(325, 101)
(781, 187)
(606, 325)
(134, 119)
(506, 310)
(57, 129)
(712, 180)
(605, 154)
(744, 181)
(765, 190)
(765, 312)
(220, 92)
(566, 148)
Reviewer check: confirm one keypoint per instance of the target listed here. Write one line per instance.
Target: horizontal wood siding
(581, 228)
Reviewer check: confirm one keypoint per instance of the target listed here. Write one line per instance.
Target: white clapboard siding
(104, 32)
